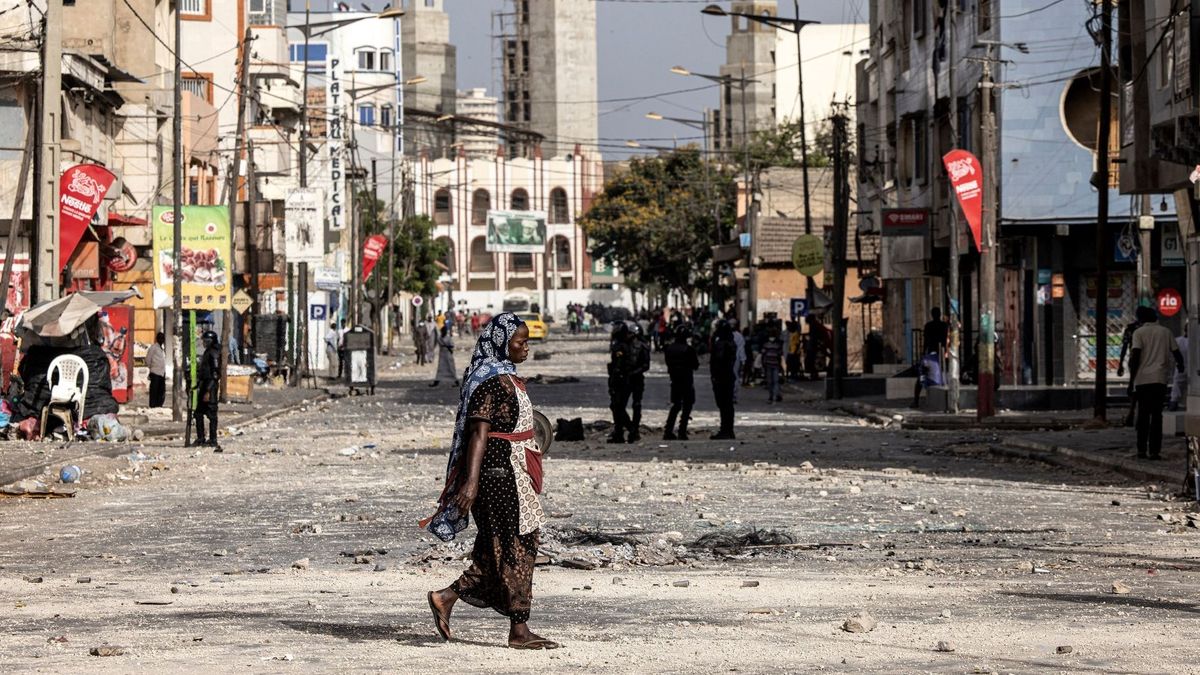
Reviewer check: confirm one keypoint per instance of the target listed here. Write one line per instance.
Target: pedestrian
(341, 347)
(621, 361)
(739, 364)
(722, 364)
(446, 369)
(419, 343)
(1126, 342)
(208, 385)
(475, 323)
(156, 362)
(816, 351)
(1152, 354)
(494, 474)
(1179, 383)
(682, 361)
(794, 341)
(929, 370)
(332, 353)
(572, 322)
(431, 342)
(772, 363)
(637, 380)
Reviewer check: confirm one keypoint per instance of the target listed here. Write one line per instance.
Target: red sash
(533, 460)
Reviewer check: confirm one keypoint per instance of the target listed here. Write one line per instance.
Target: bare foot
(520, 637)
(441, 603)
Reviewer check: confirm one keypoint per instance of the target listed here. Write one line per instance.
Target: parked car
(537, 327)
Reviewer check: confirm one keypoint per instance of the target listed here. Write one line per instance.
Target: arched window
(521, 262)
(449, 260)
(560, 212)
(562, 254)
(481, 260)
(519, 200)
(481, 203)
(442, 211)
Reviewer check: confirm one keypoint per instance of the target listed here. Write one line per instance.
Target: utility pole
(231, 185)
(391, 288)
(251, 238)
(14, 226)
(178, 395)
(46, 262)
(841, 222)
(986, 406)
(954, 311)
(1103, 248)
(1145, 287)
(803, 144)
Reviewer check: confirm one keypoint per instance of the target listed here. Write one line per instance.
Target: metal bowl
(543, 430)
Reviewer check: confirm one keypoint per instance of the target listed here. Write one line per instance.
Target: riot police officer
(639, 349)
(618, 380)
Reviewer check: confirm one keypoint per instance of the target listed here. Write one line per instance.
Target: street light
(793, 25)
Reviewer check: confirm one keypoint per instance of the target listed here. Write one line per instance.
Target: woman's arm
(472, 462)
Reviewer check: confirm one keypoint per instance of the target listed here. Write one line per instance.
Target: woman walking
(446, 368)
(495, 474)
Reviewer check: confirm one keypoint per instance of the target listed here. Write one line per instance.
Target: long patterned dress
(507, 511)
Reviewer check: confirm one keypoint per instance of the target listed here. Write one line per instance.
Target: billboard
(516, 231)
(304, 226)
(206, 251)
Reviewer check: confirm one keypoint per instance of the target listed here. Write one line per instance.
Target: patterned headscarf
(489, 360)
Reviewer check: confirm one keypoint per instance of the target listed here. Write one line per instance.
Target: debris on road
(946, 646)
(1064, 649)
(862, 622)
(107, 650)
(301, 564)
(1119, 588)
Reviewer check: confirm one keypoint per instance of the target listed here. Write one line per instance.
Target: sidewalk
(23, 459)
(1059, 437)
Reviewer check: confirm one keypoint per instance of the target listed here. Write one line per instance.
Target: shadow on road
(359, 632)
(1107, 599)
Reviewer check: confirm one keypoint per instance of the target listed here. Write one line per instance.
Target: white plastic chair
(66, 393)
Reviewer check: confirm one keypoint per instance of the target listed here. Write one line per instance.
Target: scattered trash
(682, 583)
(108, 428)
(107, 650)
(569, 430)
(349, 452)
(301, 564)
(1064, 649)
(728, 541)
(1119, 588)
(945, 646)
(70, 474)
(862, 622)
(34, 580)
(749, 584)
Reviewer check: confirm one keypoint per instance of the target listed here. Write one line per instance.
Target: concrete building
(1045, 159)
(549, 72)
(478, 141)
(458, 193)
(831, 52)
(426, 53)
(748, 98)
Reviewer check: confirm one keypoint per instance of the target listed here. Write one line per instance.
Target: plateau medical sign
(335, 132)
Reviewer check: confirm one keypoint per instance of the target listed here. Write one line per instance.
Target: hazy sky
(638, 42)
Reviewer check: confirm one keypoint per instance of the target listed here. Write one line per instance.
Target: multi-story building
(831, 52)
(1046, 105)
(458, 193)
(549, 73)
(748, 94)
(478, 141)
(428, 57)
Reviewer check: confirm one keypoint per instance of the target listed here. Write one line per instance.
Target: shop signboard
(205, 252)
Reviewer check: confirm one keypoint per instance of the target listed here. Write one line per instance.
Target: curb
(946, 422)
(1072, 458)
(117, 449)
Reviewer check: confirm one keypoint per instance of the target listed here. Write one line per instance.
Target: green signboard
(516, 231)
(205, 255)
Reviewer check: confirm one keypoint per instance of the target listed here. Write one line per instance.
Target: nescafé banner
(205, 253)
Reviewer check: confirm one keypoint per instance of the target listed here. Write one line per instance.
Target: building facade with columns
(458, 193)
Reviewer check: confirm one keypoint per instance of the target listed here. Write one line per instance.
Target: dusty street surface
(297, 550)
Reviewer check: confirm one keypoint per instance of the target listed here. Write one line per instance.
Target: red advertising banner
(116, 340)
(967, 178)
(373, 247)
(80, 191)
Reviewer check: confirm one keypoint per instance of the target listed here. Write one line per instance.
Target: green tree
(780, 146)
(658, 219)
(416, 253)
